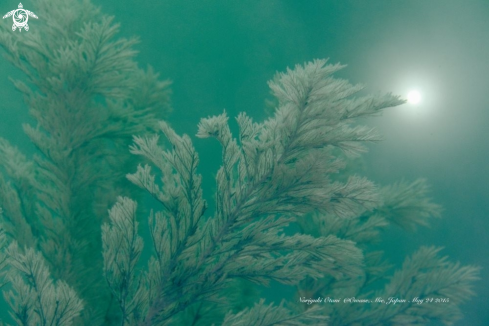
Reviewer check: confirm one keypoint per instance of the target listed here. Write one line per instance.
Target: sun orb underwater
(414, 97)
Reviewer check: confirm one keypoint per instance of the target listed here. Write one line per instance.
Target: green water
(220, 54)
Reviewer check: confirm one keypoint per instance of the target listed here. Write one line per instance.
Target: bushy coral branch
(34, 298)
(267, 315)
(88, 97)
(422, 278)
(278, 171)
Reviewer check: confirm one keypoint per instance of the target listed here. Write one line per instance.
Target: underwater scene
(257, 162)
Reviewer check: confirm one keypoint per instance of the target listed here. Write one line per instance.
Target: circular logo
(20, 17)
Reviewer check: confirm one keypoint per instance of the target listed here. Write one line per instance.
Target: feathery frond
(268, 315)
(34, 298)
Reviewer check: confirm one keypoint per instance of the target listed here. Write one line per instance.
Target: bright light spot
(414, 97)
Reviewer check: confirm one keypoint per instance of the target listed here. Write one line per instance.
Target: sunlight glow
(414, 97)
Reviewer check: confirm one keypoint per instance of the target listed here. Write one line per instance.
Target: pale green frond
(216, 126)
(16, 164)
(122, 247)
(273, 173)
(425, 275)
(151, 95)
(318, 257)
(407, 204)
(376, 267)
(268, 315)
(13, 220)
(314, 110)
(353, 198)
(149, 148)
(34, 298)
(87, 96)
(17, 193)
(103, 61)
(3, 255)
